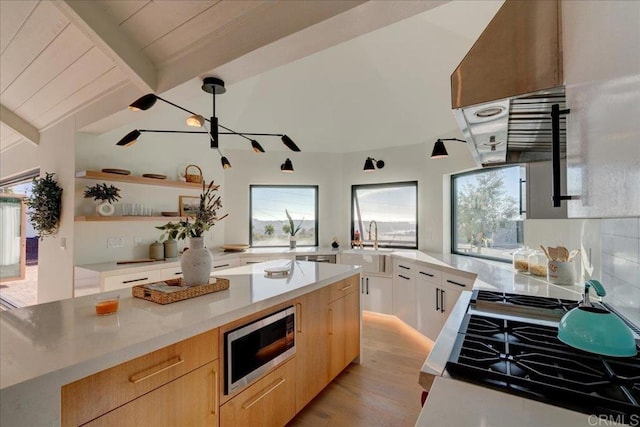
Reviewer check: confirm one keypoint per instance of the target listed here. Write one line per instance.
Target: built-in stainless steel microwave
(255, 348)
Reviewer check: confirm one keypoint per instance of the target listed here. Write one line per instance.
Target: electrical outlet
(137, 241)
(115, 242)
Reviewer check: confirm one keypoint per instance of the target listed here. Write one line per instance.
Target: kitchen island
(46, 346)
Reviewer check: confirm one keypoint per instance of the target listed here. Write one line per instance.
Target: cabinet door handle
(362, 285)
(404, 277)
(426, 274)
(437, 297)
(330, 321)
(404, 266)
(367, 286)
(155, 370)
(221, 265)
(135, 280)
(442, 300)
(216, 402)
(345, 288)
(249, 403)
(456, 283)
(299, 318)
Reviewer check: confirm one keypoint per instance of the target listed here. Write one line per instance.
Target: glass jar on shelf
(538, 263)
(521, 260)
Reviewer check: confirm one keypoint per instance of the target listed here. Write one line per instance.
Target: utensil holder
(561, 272)
(193, 177)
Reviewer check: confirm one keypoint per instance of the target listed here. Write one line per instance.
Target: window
(393, 207)
(269, 224)
(486, 219)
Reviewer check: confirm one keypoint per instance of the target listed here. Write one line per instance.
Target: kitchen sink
(371, 260)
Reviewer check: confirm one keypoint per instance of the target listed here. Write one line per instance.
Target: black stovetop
(527, 359)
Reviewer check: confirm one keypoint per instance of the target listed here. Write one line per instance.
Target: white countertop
(454, 403)
(45, 346)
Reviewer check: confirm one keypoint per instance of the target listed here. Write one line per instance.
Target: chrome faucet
(375, 242)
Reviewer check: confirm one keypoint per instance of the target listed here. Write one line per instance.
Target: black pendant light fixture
(439, 150)
(287, 166)
(214, 86)
(371, 164)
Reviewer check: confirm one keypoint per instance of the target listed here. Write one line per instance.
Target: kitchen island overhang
(46, 346)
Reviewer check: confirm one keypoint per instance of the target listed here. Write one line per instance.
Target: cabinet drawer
(130, 280)
(188, 401)
(90, 397)
(403, 267)
(268, 402)
(458, 281)
(222, 264)
(343, 287)
(429, 273)
(171, 273)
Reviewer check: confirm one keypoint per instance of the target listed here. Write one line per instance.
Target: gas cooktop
(525, 358)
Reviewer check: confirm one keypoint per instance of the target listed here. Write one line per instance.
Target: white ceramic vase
(105, 209)
(196, 263)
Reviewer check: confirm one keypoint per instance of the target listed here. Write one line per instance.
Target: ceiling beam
(106, 36)
(19, 125)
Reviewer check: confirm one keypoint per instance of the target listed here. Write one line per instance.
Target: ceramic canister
(156, 250)
(561, 272)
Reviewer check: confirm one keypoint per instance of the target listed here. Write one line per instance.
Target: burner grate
(528, 360)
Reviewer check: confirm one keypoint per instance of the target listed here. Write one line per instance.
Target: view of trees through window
(269, 207)
(486, 219)
(393, 207)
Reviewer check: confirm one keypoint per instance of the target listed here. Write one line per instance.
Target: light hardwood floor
(383, 390)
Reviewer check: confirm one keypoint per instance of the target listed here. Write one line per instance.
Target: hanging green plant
(45, 205)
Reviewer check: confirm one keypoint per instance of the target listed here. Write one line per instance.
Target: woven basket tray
(141, 291)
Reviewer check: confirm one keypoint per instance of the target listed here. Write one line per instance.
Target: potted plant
(45, 205)
(292, 230)
(107, 194)
(196, 262)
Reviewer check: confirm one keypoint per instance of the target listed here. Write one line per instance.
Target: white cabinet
(222, 264)
(539, 192)
(376, 293)
(601, 63)
(436, 293)
(130, 280)
(404, 291)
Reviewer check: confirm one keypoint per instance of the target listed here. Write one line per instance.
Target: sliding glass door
(12, 237)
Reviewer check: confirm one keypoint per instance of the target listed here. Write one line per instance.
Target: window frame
(386, 185)
(317, 211)
(453, 234)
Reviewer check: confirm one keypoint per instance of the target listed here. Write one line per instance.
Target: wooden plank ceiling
(57, 58)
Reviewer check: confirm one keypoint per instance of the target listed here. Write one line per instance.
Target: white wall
(157, 153)
(55, 265)
(621, 264)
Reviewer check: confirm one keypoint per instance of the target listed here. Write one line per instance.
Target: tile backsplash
(620, 264)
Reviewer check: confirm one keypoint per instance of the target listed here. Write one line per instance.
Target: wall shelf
(131, 218)
(89, 174)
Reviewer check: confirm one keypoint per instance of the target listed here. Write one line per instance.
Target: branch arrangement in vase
(205, 218)
(103, 192)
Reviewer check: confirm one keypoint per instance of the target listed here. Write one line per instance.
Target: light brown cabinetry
(344, 327)
(93, 396)
(190, 400)
(269, 402)
(311, 346)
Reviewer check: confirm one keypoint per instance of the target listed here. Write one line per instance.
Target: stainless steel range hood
(503, 89)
